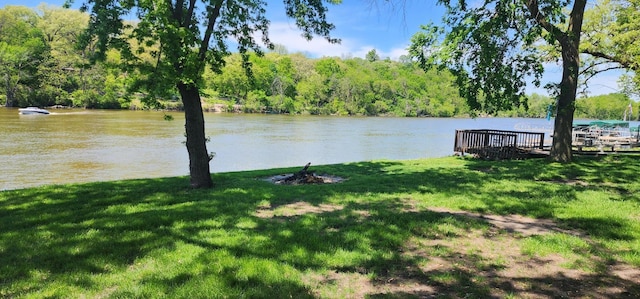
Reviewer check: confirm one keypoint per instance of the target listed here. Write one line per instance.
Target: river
(71, 146)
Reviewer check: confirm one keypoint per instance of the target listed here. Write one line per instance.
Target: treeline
(41, 66)
(295, 84)
(611, 106)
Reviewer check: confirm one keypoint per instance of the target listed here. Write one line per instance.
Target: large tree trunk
(196, 139)
(562, 133)
(9, 102)
(570, 41)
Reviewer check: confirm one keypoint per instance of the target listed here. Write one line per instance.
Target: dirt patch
(571, 182)
(295, 209)
(477, 264)
(525, 226)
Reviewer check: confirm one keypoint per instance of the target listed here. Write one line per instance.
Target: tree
(182, 36)
(22, 50)
(63, 71)
(372, 55)
(494, 48)
(610, 106)
(297, 84)
(612, 41)
(232, 83)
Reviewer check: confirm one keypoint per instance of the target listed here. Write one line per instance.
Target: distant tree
(282, 83)
(22, 51)
(372, 56)
(610, 106)
(297, 84)
(539, 106)
(184, 36)
(64, 70)
(280, 49)
(630, 83)
(332, 72)
(405, 59)
(232, 83)
(492, 48)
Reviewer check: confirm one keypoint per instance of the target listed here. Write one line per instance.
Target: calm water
(71, 146)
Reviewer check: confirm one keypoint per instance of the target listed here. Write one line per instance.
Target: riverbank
(414, 228)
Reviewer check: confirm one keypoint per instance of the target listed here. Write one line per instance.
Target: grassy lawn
(392, 229)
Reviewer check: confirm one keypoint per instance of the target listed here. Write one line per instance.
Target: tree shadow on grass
(104, 229)
(389, 225)
(594, 173)
(460, 184)
(463, 182)
(465, 283)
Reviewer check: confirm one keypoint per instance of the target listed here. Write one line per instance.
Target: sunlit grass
(158, 238)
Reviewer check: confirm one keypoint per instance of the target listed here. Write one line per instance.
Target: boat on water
(32, 111)
(605, 133)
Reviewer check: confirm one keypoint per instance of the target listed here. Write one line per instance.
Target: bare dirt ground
(479, 264)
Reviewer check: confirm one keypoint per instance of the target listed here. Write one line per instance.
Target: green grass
(155, 238)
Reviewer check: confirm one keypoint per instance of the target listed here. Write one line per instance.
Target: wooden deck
(498, 144)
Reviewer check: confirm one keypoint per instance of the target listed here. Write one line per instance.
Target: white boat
(32, 110)
(604, 133)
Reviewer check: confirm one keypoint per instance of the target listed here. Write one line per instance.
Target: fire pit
(303, 177)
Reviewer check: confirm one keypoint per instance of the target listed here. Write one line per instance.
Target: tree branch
(622, 62)
(532, 6)
(213, 14)
(192, 5)
(177, 10)
(577, 13)
(593, 65)
(601, 71)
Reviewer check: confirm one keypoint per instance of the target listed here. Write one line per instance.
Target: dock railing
(497, 144)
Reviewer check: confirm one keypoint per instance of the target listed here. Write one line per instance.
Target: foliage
(331, 85)
(493, 49)
(22, 50)
(155, 238)
(488, 48)
(537, 107)
(280, 82)
(612, 41)
(611, 106)
(43, 67)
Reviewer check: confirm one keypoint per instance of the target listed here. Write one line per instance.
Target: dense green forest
(40, 65)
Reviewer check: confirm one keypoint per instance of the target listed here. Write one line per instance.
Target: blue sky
(363, 25)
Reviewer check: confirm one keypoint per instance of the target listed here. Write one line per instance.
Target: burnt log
(303, 177)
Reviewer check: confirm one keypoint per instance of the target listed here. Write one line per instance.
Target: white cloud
(288, 35)
(395, 53)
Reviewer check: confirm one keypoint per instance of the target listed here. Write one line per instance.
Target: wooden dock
(498, 144)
